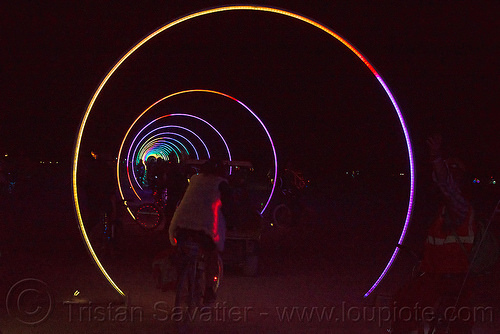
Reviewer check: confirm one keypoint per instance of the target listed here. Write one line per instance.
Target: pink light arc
(275, 159)
(153, 121)
(134, 154)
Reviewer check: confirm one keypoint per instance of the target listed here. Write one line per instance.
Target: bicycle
(192, 263)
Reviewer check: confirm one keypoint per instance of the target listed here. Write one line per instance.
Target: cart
(242, 245)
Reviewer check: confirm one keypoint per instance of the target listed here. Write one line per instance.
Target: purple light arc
(412, 187)
(160, 147)
(149, 124)
(155, 140)
(162, 135)
(164, 142)
(152, 131)
(261, 123)
(135, 154)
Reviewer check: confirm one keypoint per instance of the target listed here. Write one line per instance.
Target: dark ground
(329, 260)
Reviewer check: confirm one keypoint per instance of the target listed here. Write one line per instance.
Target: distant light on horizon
(491, 180)
(352, 173)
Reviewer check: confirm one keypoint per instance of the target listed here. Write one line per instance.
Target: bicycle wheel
(148, 216)
(218, 278)
(190, 282)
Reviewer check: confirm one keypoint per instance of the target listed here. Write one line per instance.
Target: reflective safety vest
(447, 251)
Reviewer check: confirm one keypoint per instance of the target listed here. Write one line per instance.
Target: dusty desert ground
(317, 271)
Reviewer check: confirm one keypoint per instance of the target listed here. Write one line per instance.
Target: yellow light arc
(78, 140)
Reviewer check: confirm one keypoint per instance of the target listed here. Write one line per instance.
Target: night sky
(321, 104)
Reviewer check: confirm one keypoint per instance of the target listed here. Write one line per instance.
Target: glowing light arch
(275, 158)
(165, 127)
(181, 136)
(162, 143)
(128, 159)
(159, 148)
(242, 8)
(162, 137)
(146, 149)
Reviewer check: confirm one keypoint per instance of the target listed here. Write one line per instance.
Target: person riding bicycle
(201, 218)
(443, 280)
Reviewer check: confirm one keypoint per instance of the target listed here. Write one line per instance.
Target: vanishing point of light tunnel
(130, 155)
(130, 158)
(214, 11)
(161, 145)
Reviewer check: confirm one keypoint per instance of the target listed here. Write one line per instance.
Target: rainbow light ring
(133, 141)
(150, 148)
(181, 136)
(275, 159)
(241, 8)
(159, 148)
(163, 143)
(135, 154)
(162, 140)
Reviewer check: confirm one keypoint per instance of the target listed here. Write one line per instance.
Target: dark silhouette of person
(101, 187)
(443, 283)
(175, 184)
(200, 218)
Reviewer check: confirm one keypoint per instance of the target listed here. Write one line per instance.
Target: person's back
(200, 209)
(200, 218)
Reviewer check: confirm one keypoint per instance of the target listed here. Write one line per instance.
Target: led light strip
(275, 159)
(130, 158)
(159, 148)
(151, 147)
(134, 154)
(225, 9)
(161, 140)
